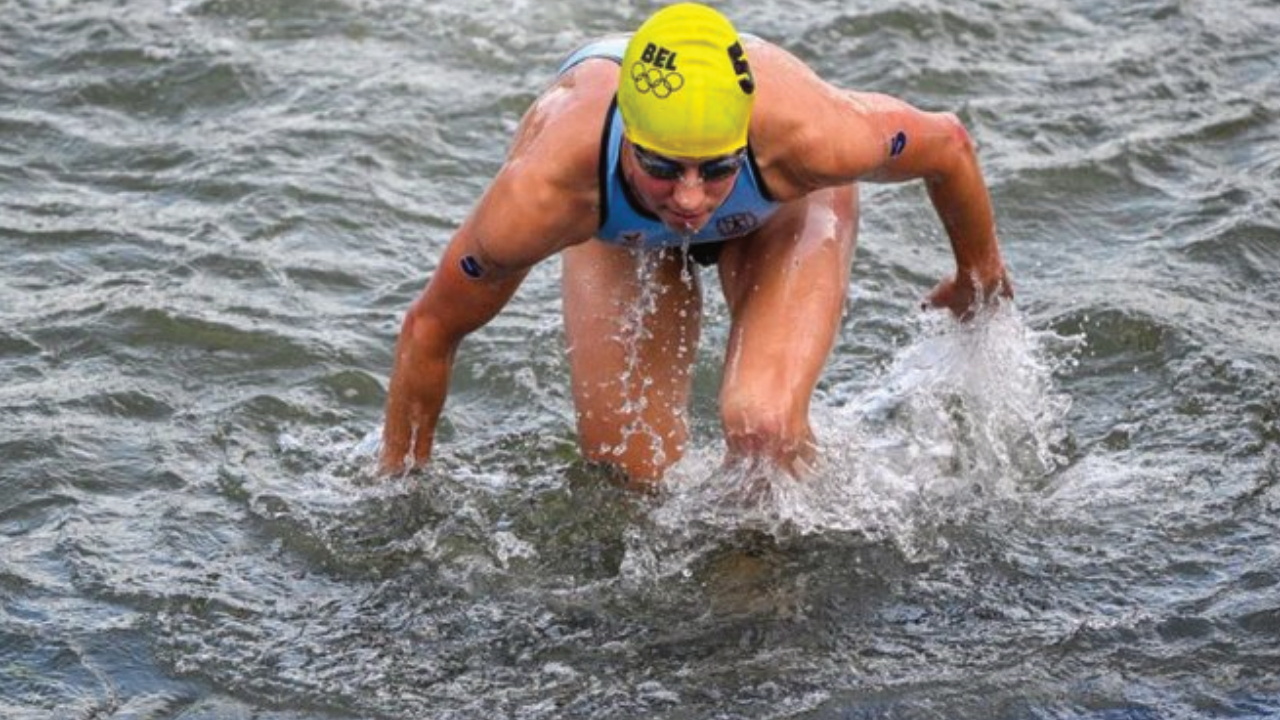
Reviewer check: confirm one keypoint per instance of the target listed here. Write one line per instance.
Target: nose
(688, 192)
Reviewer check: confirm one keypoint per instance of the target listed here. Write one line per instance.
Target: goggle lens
(660, 167)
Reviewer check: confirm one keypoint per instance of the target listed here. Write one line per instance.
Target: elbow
(956, 155)
(414, 325)
(958, 137)
(422, 330)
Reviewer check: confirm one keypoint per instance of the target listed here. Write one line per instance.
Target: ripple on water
(218, 345)
(132, 69)
(482, 588)
(1075, 521)
(1243, 250)
(16, 348)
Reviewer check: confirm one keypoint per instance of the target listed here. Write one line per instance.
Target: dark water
(212, 215)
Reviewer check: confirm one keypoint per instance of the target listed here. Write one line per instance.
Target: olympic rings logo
(653, 80)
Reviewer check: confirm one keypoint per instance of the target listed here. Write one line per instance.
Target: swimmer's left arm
(809, 135)
(938, 149)
(883, 139)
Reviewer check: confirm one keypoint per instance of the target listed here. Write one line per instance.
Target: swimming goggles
(661, 167)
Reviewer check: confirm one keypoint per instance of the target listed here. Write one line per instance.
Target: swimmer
(682, 145)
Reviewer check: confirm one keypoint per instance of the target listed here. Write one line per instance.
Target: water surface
(213, 214)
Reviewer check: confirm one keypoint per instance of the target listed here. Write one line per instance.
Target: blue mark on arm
(898, 144)
(471, 267)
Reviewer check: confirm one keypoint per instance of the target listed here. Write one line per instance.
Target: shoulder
(775, 60)
(561, 132)
(546, 194)
(781, 80)
(798, 117)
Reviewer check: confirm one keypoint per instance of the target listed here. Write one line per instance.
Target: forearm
(963, 203)
(416, 394)
(892, 141)
(453, 305)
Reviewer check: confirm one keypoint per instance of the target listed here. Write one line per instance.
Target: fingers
(966, 296)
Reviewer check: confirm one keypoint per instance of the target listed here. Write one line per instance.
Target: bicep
(523, 218)
(541, 201)
(518, 223)
(463, 295)
(875, 138)
(907, 143)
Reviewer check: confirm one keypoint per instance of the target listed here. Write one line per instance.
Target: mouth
(686, 221)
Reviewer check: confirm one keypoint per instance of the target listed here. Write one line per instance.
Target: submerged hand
(966, 294)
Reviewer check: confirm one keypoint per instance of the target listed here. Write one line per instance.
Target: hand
(966, 294)
(398, 455)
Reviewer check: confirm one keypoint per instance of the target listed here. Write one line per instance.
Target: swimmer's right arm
(480, 271)
(464, 294)
(523, 218)
(542, 201)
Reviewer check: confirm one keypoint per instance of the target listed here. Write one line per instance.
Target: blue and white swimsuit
(624, 221)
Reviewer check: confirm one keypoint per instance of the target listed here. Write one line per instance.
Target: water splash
(964, 423)
(636, 330)
(965, 420)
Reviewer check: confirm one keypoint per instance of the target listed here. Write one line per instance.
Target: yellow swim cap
(685, 87)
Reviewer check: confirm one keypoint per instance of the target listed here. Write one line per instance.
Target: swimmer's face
(682, 192)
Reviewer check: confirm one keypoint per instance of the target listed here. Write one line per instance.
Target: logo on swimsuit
(737, 224)
(661, 79)
(633, 239)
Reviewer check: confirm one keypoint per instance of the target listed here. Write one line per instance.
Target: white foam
(966, 418)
